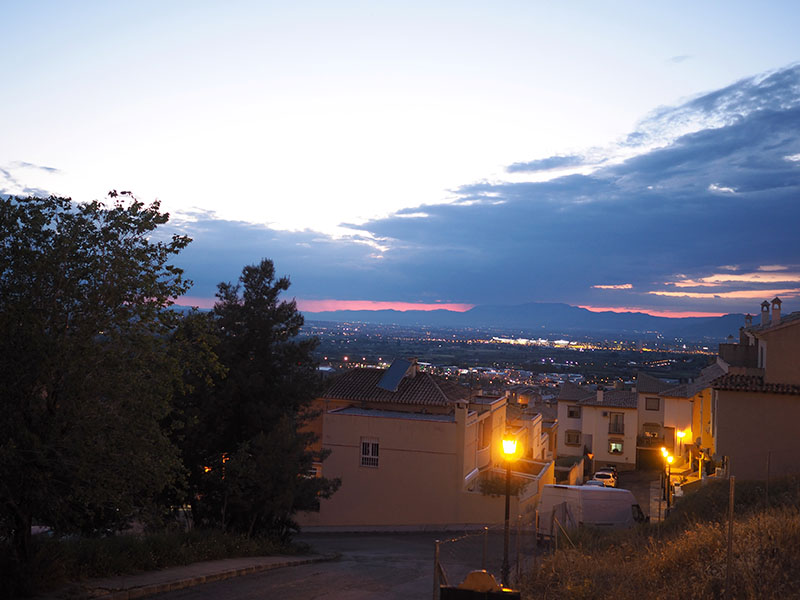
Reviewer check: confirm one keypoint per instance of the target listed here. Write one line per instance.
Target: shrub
(57, 561)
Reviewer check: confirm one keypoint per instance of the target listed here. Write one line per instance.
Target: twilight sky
(610, 155)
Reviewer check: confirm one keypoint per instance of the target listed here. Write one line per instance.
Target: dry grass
(684, 558)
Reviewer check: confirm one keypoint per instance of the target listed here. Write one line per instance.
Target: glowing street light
(681, 434)
(509, 450)
(509, 447)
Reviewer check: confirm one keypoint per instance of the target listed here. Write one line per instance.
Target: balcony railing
(617, 429)
(647, 441)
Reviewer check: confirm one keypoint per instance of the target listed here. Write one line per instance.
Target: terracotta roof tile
(571, 392)
(614, 399)
(647, 384)
(422, 390)
(753, 383)
(688, 390)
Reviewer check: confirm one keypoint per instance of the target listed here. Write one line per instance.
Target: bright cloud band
(326, 305)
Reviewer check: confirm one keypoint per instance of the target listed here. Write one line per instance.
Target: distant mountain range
(539, 319)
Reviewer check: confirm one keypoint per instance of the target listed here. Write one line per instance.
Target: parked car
(610, 469)
(596, 482)
(609, 479)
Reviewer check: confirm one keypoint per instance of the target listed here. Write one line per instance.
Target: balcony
(617, 429)
(649, 441)
(484, 457)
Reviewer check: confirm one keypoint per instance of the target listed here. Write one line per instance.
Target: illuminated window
(369, 452)
(615, 446)
(572, 438)
(651, 403)
(574, 412)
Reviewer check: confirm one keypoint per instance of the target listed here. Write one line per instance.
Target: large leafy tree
(244, 441)
(86, 370)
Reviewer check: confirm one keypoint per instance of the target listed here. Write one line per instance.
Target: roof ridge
(437, 386)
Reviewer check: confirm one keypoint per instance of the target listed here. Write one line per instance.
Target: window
(573, 412)
(651, 403)
(615, 446)
(616, 423)
(369, 452)
(572, 438)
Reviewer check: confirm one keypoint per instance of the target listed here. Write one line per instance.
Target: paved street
(386, 566)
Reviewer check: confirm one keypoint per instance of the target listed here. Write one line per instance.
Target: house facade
(415, 452)
(598, 425)
(756, 405)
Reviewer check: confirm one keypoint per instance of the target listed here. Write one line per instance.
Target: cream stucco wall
(678, 417)
(649, 416)
(702, 418)
(596, 424)
(754, 428)
(420, 477)
(782, 357)
(567, 424)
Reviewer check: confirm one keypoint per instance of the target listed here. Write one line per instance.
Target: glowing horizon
(672, 314)
(330, 304)
(314, 306)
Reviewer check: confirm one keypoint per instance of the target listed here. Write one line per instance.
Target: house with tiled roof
(413, 450)
(599, 425)
(653, 432)
(756, 404)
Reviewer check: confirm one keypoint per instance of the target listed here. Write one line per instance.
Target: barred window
(369, 452)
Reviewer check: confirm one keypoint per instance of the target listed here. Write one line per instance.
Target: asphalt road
(386, 566)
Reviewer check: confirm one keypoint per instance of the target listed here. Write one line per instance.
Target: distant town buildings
(414, 449)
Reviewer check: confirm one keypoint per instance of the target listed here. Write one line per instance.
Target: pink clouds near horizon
(673, 314)
(326, 305)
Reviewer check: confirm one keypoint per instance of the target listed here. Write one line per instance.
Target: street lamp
(681, 434)
(509, 449)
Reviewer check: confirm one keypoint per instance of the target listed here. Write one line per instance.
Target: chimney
(413, 369)
(743, 336)
(764, 313)
(748, 320)
(599, 396)
(776, 310)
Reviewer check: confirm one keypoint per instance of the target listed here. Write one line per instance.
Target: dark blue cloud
(726, 194)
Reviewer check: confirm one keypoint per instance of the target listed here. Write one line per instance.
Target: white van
(577, 505)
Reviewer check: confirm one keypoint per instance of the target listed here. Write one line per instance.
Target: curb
(179, 584)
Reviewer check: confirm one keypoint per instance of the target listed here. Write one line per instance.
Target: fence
(455, 557)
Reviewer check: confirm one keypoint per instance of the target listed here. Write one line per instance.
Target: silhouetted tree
(86, 370)
(244, 442)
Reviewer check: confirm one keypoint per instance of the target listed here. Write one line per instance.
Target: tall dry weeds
(686, 564)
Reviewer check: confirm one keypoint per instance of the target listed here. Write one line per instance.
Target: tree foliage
(86, 371)
(249, 458)
(114, 404)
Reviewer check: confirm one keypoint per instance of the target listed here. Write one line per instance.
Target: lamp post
(670, 458)
(664, 453)
(681, 435)
(509, 449)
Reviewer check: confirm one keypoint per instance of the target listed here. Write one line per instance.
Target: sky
(611, 155)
